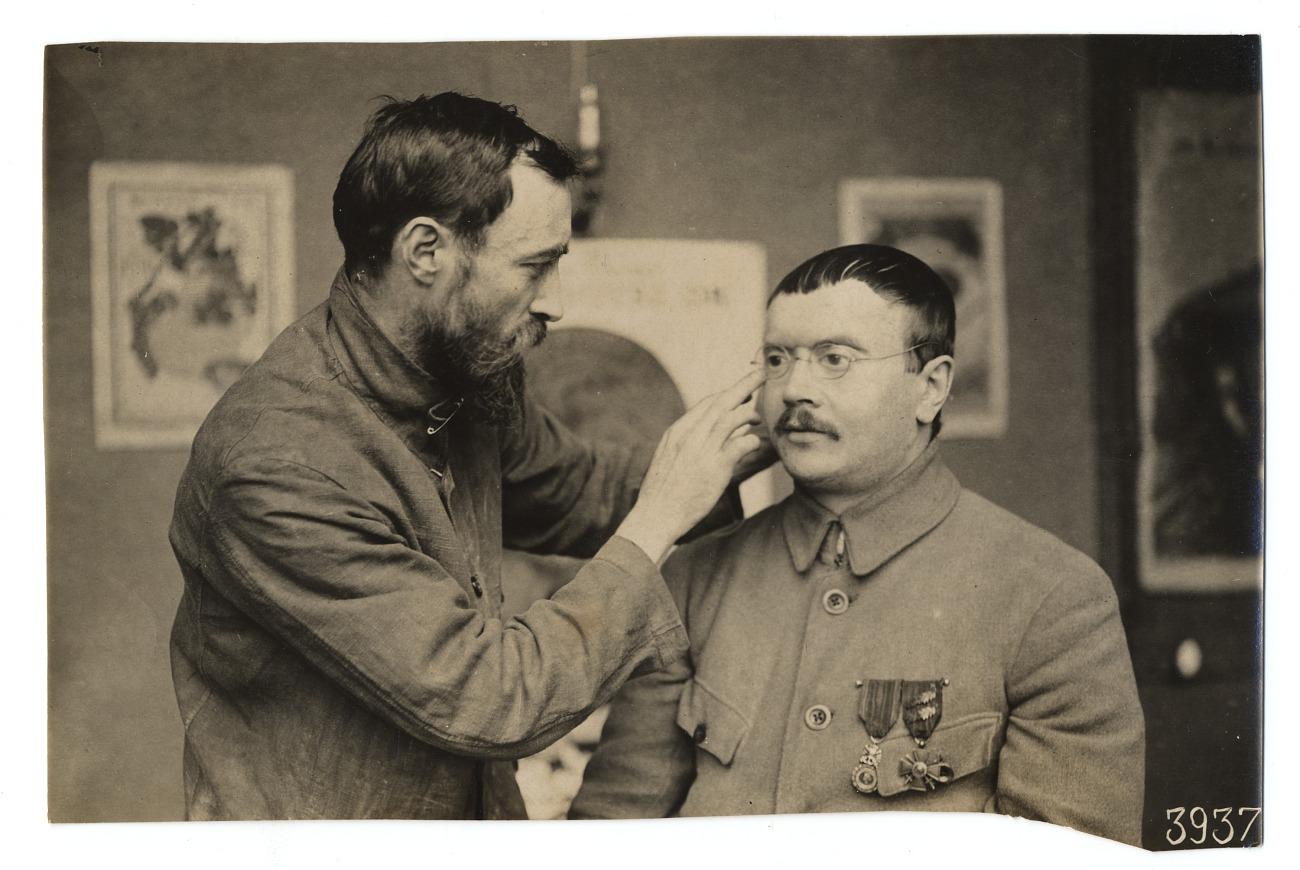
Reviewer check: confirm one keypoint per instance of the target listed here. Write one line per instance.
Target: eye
(539, 270)
(833, 359)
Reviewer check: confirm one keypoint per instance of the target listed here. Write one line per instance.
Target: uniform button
(476, 586)
(701, 733)
(817, 717)
(836, 601)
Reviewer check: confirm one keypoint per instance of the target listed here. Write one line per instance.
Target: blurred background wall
(704, 139)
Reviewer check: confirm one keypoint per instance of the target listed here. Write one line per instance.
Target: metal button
(476, 586)
(817, 717)
(836, 601)
(701, 733)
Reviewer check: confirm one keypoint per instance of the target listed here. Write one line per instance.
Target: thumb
(739, 446)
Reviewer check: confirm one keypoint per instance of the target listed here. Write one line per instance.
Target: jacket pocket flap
(962, 747)
(711, 722)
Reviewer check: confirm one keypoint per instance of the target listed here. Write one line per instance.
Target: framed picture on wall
(1200, 342)
(191, 269)
(954, 225)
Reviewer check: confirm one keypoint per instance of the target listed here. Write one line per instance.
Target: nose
(799, 385)
(547, 304)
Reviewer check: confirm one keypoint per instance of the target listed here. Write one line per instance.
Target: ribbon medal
(878, 708)
(922, 702)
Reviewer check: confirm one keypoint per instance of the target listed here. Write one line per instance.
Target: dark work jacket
(339, 650)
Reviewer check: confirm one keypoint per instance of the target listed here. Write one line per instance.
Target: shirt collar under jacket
(402, 394)
(879, 526)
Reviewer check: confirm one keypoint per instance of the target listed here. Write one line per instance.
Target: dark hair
(894, 275)
(446, 157)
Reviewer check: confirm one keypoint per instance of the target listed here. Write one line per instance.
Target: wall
(706, 139)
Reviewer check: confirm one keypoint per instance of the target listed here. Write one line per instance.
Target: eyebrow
(837, 339)
(842, 339)
(552, 253)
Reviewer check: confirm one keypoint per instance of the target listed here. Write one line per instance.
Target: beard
(475, 360)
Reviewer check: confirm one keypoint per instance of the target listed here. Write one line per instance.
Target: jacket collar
(881, 525)
(406, 397)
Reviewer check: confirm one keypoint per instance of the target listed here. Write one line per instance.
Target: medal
(924, 770)
(922, 702)
(878, 708)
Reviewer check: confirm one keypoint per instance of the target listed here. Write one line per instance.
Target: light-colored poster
(696, 307)
(1200, 342)
(955, 226)
(191, 270)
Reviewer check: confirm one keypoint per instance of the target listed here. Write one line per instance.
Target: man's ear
(422, 247)
(936, 383)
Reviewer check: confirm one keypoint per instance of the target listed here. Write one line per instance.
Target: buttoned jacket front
(1039, 715)
(339, 650)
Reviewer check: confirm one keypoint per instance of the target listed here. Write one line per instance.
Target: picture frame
(1199, 337)
(191, 279)
(955, 226)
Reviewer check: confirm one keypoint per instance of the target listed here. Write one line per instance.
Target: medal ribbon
(879, 705)
(922, 707)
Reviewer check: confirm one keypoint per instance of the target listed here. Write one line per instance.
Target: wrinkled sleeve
(561, 494)
(1075, 747)
(325, 571)
(644, 765)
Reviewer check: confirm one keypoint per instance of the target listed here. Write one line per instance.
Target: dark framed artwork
(1199, 320)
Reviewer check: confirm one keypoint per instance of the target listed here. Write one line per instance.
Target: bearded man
(339, 650)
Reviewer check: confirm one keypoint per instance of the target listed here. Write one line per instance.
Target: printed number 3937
(1220, 829)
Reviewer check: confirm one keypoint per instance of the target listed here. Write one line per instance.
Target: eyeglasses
(830, 361)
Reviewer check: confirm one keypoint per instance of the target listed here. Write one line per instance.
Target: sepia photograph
(653, 428)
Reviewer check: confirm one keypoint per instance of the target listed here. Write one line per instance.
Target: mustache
(799, 419)
(531, 333)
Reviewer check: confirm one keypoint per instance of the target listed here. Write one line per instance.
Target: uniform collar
(882, 524)
(406, 397)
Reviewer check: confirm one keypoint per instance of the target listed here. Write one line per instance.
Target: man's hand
(759, 459)
(696, 459)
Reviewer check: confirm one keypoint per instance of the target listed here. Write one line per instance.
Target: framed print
(955, 226)
(190, 267)
(1200, 342)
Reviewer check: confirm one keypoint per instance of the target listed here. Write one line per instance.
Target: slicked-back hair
(446, 157)
(894, 275)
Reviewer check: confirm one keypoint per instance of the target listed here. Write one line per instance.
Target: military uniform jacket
(1039, 716)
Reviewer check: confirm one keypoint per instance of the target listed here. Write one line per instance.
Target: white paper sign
(697, 306)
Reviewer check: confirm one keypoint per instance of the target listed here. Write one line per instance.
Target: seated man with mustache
(882, 639)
